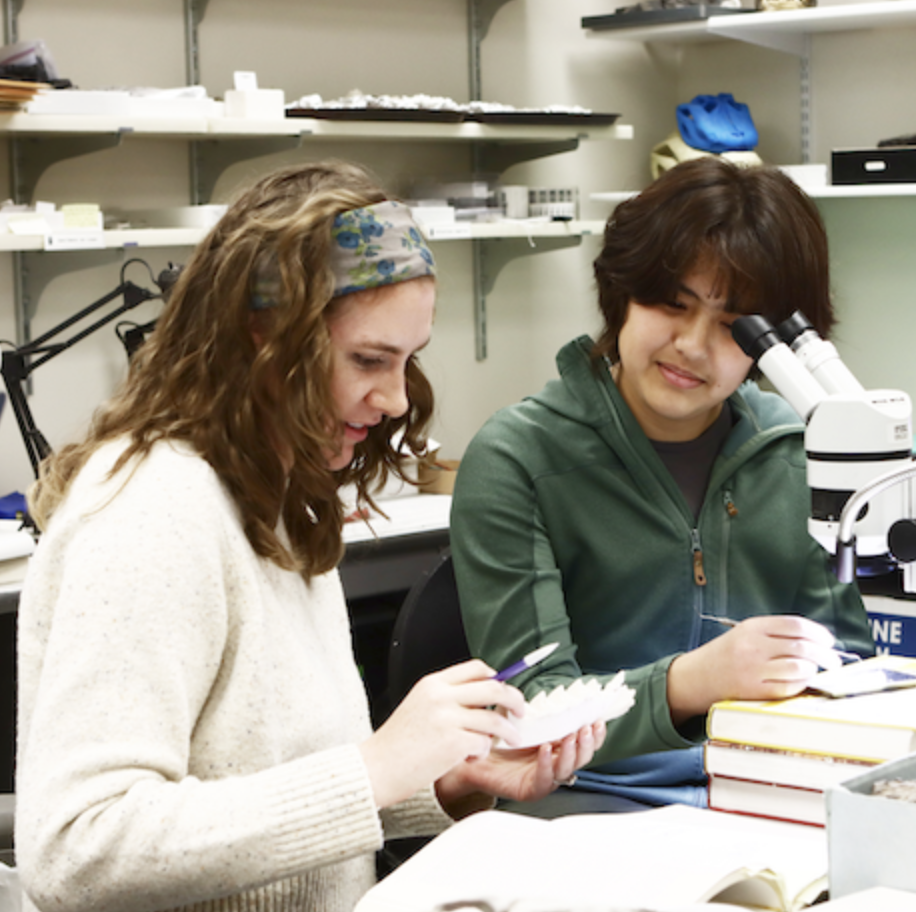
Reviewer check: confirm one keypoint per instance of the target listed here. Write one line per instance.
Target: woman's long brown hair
(201, 378)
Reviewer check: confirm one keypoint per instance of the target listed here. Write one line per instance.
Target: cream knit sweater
(188, 712)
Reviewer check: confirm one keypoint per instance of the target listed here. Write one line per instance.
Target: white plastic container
(870, 838)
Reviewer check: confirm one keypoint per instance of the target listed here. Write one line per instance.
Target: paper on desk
(406, 516)
(884, 672)
(14, 541)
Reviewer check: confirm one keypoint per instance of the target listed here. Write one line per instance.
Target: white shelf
(189, 237)
(670, 33)
(613, 196)
(23, 124)
(130, 237)
(829, 191)
(512, 229)
(20, 123)
(860, 191)
(784, 30)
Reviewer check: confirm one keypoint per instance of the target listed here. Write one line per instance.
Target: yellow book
(874, 727)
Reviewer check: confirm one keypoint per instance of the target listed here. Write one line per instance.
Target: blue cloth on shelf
(717, 123)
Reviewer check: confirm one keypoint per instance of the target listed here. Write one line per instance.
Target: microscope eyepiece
(793, 327)
(754, 335)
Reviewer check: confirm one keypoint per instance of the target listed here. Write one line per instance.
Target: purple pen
(529, 661)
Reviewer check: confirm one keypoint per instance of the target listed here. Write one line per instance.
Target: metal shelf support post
(490, 256)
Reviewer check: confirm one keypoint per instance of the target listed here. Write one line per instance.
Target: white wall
(535, 54)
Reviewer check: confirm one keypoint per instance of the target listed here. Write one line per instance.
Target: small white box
(514, 199)
(173, 108)
(257, 104)
(433, 215)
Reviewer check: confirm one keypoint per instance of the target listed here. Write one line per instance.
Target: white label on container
(456, 231)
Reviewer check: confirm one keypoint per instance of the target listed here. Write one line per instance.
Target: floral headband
(372, 246)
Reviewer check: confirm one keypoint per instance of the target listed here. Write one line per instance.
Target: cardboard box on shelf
(438, 476)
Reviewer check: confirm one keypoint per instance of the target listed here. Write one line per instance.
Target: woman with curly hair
(193, 730)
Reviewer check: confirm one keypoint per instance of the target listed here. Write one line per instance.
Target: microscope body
(858, 444)
(850, 440)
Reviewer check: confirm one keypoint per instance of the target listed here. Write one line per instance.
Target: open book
(668, 858)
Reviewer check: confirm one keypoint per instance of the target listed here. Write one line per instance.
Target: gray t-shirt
(690, 461)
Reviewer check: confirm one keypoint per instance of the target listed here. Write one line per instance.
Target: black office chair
(428, 633)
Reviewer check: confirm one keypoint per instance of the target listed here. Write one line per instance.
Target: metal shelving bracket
(480, 15)
(490, 256)
(30, 157)
(194, 11)
(210, 157)
(11, 10)
(34, 270)
(496, 157)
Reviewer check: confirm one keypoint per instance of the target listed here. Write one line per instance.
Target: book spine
(779, 767)
(761, 816)
(825, 738)
(767, 800)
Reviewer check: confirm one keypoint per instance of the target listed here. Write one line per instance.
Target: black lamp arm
(19, 363)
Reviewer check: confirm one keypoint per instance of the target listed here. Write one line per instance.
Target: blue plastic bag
(717, 123)
(12, 505)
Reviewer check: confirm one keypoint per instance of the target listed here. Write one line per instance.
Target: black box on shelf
(885, 165)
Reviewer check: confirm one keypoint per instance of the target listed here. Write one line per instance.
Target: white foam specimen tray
(554, 714)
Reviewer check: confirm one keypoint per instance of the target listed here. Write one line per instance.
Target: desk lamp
(19, 363)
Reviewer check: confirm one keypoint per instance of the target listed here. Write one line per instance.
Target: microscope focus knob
(901, 539)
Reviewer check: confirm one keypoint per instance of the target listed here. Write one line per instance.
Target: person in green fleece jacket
(648, 509)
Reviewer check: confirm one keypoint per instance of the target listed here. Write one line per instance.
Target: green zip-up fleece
(566, 527)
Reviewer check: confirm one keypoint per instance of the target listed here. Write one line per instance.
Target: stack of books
(14, 93)
(777, 759)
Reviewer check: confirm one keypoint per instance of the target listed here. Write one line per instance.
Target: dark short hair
(763, 235)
